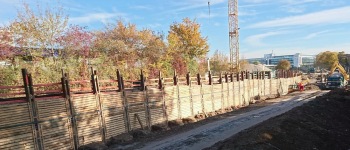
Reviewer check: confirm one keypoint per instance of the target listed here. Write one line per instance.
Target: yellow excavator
(337, 77)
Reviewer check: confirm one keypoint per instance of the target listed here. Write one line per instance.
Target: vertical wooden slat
(164, 104)
(96, 90)
(222, 94)
(125, 104)
(34, 112)
(66, 89)
(146, 101)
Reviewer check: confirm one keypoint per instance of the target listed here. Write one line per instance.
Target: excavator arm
(336, 65)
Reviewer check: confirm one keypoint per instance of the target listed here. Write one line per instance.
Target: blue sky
(281, 26)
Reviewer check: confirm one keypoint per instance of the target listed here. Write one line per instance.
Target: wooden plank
(16, 138)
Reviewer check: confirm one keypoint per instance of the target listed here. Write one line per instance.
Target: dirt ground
(323, 123)
(320, 124)
(138, 142)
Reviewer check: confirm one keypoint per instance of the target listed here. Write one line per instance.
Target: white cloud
(313, 35)
(96, 17)
(206, 15)
(286, 2)
(192, 4)
(332, 16)
(298, 2)
(141, 7)
(249, 12)
(257, 40)
(295, 10)
(154, 25)
(217, 24)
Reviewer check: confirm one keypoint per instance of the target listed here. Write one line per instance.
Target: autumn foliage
(43, 42)
(283, 65)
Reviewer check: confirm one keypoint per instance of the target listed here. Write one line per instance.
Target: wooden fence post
(247, 74)
(264, 77)
(142, 81)
(258, 77)
(125, 101)
(30, 96)
(96, 91)
(210, 78)
(146, 99)
(67, 93)
(160, 80)
(222, 94)
(162, 88)
(199, 79)
(242, 76)
(119, 81)
(188, 79)
(175, 78)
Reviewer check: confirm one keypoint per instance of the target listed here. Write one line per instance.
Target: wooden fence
(69, 114)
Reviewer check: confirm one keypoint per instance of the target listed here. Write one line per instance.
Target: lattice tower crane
(233, 34)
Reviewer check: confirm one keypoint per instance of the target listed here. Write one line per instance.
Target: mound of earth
(323, 123)
(312, 87)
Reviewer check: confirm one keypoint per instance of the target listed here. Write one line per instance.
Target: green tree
(283, 64)
(326, 59)
(256, 62)
(186, 42)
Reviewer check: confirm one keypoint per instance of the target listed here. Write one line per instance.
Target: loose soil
(138, 142)
(323, 123)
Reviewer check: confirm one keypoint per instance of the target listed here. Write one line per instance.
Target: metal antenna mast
(233, 34)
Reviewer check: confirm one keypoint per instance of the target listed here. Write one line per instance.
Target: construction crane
(233, 34)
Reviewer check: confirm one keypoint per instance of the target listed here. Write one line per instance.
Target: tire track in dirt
(211, 133)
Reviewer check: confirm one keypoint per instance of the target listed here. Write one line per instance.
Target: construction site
(245, 107)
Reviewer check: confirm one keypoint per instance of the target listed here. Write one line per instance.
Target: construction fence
(69, 114)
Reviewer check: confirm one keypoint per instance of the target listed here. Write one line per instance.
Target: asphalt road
(209, 134)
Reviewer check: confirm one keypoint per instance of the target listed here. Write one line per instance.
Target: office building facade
(297, 60)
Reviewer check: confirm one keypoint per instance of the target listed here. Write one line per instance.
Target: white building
(296, 60)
